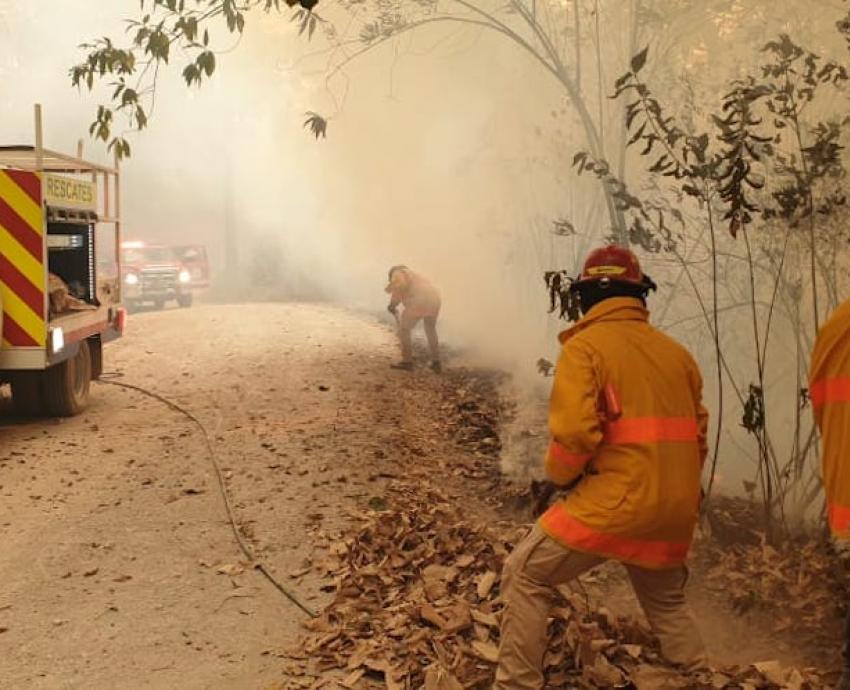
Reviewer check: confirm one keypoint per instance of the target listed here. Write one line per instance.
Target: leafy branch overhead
(163, 29)
(560, 296)
(317, 125)
(730, 163)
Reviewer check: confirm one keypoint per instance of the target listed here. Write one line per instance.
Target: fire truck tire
(66, 385)
(96, 350)
(185, 301)
(27, 396)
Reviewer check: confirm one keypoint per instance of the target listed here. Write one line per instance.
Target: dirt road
(118, 568)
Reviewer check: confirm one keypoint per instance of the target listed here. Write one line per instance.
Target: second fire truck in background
(155, 274)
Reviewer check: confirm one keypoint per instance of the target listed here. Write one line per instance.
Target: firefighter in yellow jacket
(421, 302)
(829, 390)
(628, 433)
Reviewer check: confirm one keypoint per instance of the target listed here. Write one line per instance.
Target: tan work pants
(406, 324)
(537, 565)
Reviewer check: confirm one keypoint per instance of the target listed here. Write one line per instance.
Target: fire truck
(152, 274)
(193, 258)
(57, 213)
(158, 273)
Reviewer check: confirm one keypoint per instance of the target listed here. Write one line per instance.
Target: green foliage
(730, 163)
(561, 297)
(773, 174)
(753, 417)
(306, 22)
(317, 125)
(653, 225)
(740, 142)
(163, 29)
(792, 79)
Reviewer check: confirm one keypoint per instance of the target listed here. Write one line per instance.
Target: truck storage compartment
(71, 262)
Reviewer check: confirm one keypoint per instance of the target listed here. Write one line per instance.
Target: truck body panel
(23, 276)
(194, 259)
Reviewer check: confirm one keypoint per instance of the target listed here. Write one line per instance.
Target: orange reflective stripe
(564, 457)
(830, 391)
(652, 430)
(560, 525)
(839, 519)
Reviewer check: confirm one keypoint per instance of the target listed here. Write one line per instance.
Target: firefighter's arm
(395, 289)
(702, 413)
(574, 420)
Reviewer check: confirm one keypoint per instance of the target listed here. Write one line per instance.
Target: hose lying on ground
(243, 545)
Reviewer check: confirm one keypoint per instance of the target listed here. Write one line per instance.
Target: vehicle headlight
(57, 340)
(185, 276)
(131, 279)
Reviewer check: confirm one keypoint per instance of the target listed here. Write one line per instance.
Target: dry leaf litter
(802, 573)
(417, 605)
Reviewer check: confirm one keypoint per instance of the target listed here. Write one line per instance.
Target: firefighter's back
(645, 483)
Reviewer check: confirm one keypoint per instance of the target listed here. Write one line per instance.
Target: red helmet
(612, 263)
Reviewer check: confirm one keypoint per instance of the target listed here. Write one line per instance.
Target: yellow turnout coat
(626, 416)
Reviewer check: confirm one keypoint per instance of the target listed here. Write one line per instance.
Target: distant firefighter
(421, 301)
(829, 390)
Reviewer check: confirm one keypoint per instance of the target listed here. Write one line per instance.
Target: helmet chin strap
(647, 283)
(588, 295)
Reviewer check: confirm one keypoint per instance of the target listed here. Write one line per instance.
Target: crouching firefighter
(629, 434)
(829, 390)
(421, 303)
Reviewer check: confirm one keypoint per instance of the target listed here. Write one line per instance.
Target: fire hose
(228, 508)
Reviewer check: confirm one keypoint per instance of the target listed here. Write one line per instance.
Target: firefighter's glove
(541, 497)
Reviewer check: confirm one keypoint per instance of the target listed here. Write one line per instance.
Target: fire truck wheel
(27, 394)
(185, 301)
(66, 385)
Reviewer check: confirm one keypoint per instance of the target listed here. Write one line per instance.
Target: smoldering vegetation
(453, 148)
